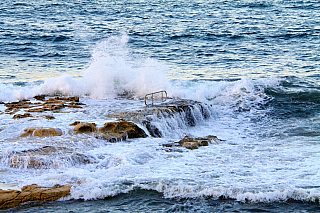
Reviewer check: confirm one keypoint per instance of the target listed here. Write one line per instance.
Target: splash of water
(112, 72)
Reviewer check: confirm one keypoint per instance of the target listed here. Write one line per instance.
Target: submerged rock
(46, 157)
(49, 117)
(195, 143)
(121, 130)
(25, 115)
(41, 132)
(32, 193)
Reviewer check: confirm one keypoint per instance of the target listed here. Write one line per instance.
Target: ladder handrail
(162, 91)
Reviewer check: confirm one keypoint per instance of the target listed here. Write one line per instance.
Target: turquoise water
(255, 63)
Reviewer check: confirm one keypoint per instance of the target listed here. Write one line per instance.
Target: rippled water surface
(198, 39)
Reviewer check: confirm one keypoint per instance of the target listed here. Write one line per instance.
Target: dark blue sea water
(202, 40)
(257, 63)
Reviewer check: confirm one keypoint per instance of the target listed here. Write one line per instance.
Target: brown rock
(41, 132)
(54, 101)
(194, 143)
(85, 127)
(47, 132)
(8, 199)
(190, 145)
(66, 99)
(52, 104)
(112, 137)
(57, 107)
(18, 105)
(32, 193)
(35, 110)
(27, 132)
(73, 106)
(74, 123)
(75, 98)
(13, 110)
(121, 130)
(25, 115)
(49, 117)
(39, 97)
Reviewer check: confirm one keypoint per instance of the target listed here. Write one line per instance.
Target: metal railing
(152, 96)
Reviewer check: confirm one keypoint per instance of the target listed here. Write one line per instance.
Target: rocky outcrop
(25, 115)
(54, 104)
(121, 130)
(188, 111)
(85, 127)
(111, 131)
(195, 143)
(32, 193)
(41, 132)
(28, 115)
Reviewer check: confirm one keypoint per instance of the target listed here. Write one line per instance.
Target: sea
(254, 63)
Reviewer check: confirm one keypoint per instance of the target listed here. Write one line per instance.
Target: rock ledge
(32, 193)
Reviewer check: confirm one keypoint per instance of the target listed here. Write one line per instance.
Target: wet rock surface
(84, 127)
(169, 108)
(127, 126)
(182, 107)
(25, 115)
(121, 130)
(32, 193)
(111, 131)
(46, 157)
(194, 143)
(41, 132)
(42, 104)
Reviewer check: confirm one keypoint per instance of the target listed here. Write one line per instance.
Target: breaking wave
(112, 72)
